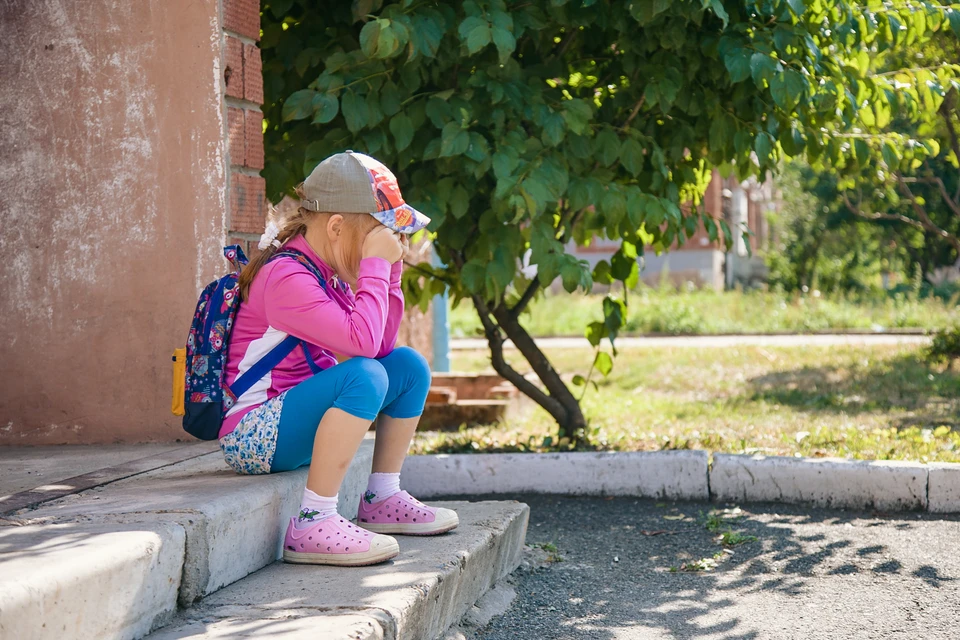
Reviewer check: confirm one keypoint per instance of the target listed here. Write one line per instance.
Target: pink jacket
(286, 299)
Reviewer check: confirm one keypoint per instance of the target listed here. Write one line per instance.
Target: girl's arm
(394, 312)
(296, 304)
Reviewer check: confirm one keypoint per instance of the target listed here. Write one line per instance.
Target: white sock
(381, 486)
(315, 507)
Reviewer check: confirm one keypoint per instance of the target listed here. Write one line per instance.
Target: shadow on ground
(807, 574)
(903, 382)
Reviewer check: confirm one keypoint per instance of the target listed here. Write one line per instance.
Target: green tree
(525, 125)
(821, 244)
(880, 178)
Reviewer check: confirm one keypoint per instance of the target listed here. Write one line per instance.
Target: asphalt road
(809, 574)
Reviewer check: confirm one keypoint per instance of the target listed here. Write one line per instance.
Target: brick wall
(243, 95)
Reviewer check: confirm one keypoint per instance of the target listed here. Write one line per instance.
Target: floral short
(249, 449)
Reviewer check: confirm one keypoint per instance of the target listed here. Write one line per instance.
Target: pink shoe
(335, 541)
(402, 514)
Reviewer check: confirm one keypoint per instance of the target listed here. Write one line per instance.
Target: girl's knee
(366, 376)
(412, 363)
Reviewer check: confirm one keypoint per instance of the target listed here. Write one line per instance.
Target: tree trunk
(563, 405)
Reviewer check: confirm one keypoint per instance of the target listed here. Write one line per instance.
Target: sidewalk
(131, 546)
(713, 342)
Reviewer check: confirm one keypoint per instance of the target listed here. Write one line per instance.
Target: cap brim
(403, 219)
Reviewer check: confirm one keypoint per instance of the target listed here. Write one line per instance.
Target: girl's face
(338, 238)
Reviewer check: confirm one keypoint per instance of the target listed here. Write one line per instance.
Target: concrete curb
(943, 488)
(230, 526)
(882, 485)
(88, 581)
(417, 596)
(673, 475)
(685, 475)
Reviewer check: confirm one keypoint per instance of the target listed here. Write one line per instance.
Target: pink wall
(113, 206)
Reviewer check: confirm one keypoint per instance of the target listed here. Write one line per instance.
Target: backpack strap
(275, 356)
(304, 259)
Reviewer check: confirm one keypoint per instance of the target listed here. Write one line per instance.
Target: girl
(330, 276)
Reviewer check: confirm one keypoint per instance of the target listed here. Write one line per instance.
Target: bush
(945, 347)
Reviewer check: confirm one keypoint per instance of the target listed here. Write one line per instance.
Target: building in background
(700, 261)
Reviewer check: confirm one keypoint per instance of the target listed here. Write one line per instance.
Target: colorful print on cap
(391, 211)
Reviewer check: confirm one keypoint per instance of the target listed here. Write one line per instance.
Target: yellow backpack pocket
(179, 380)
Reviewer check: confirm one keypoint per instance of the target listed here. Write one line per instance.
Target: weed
(703, 564)
(734, 538)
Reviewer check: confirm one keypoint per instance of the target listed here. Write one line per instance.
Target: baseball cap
(351, 182)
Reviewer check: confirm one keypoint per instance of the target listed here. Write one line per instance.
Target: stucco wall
(112, 210)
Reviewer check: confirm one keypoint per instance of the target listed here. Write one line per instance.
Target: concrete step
(417, 596)
(472, 413)
(121, 557)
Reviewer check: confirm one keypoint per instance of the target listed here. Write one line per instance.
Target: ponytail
(290, 227)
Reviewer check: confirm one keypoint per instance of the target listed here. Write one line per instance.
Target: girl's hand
(382, 243)
(405, 243)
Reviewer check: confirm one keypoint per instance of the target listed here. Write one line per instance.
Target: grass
(876, 402)
(665, 310)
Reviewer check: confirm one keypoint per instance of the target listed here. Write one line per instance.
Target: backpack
(207, 397)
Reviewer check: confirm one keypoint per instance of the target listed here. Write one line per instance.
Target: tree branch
(565, 44)
(882, 216)
(634, 112)
(924, 218)
(525, 299)
(431, 274)
(500, 365)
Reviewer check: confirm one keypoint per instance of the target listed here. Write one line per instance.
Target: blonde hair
(355, 228)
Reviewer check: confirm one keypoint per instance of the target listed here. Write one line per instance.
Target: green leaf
(553, 129)
(389, 99)
(631, 155)
(326, 107)
(763, 68)
(473, 275)
(355, 111)
(505, 42)
(621, 264)
(402, 129)
(608, 147)
(505, 160)
(362, 8)
(595, 332)
(797, 6)
(454, 140)
(570, 275)
(788, 89)
(717, 7)
(613, 206)
(577, 114)
(656, 214)
(737, 62)
(298, 105)
(601, 273)
(890, 155)
(763, 145)
(953, 15)
(369, 37)
(603, 362)
(475, 33)
(459, 202)
(578, 381)
(861, 151)
(614, 315)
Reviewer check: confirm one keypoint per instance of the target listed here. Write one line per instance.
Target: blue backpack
(207, 397)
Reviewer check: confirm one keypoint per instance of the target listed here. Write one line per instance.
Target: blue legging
(395, 385)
